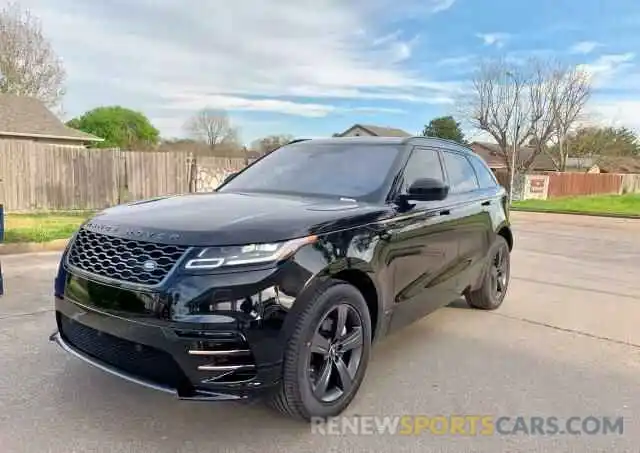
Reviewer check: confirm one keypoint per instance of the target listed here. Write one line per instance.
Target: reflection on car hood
(232, 218)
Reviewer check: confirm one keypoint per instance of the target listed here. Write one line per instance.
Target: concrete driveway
(565, 343)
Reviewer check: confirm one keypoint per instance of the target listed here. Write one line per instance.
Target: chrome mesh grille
(123, 259)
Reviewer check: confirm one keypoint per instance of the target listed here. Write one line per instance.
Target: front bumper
(215, 365)
(208, 337)
(198, 394)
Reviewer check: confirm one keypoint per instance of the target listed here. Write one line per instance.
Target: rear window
(486, 179)
(462, 177)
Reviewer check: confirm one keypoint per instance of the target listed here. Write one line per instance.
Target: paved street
(565, 343)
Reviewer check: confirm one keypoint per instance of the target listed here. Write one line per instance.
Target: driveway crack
(568, 330)
(21, 315)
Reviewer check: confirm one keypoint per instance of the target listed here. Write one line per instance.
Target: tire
(497, 275)
(295, 396)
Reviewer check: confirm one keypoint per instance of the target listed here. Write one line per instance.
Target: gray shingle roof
(28, 117)
(490, 152)
(381, 131)
(619, 164)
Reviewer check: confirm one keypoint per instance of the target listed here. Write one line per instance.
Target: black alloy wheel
(335, 353)
(327, 353)
(491, 294)
(499, 273)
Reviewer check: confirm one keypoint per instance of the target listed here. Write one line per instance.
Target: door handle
(445, 212)
(486, 203)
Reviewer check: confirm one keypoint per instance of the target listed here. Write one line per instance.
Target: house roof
(619, 164)
(491, 153)
(580, 162)
(380, 131)
(22, 116)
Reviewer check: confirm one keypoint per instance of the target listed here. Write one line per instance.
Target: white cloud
(440, 5)
(615, 113)
(584, 47)
(394, 47)
(385, 39)
(456, 61)
(401, 51)
(247, 55)
(604, 68)
(197, 102)
(494, 39)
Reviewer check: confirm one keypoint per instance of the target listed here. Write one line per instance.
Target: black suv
(278, 283)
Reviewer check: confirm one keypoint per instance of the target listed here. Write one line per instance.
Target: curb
(33, 247)
(587, 214)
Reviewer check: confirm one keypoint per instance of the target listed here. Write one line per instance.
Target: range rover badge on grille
(149, 265)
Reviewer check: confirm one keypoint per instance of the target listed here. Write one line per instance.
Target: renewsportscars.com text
(469, 425)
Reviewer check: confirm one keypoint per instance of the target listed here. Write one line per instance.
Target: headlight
(228, 256)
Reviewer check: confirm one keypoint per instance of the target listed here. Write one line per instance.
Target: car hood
(231, 218)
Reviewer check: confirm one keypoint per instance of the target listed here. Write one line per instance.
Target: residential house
(26, 118)
(491, 154)
(620, 165)
(579, 164)
(364, 130)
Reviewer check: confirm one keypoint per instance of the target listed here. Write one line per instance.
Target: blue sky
(315, 67)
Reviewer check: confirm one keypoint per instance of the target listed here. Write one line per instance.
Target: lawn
(599, 204)
(42, 227)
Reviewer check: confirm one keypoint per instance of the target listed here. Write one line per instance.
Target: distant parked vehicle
(278, 283)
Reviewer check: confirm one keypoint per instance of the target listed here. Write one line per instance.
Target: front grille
(140, 360)
(123, 259)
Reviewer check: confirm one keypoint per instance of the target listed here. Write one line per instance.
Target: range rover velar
(278, 283)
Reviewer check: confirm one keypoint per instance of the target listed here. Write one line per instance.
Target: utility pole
(512, 170)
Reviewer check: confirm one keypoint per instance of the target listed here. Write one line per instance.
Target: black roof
(414, 140)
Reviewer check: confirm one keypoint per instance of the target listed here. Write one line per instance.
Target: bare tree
(497, 105)
(28, 64)
(542, 92)
(212, 127)
(536, 102)
(574, 91)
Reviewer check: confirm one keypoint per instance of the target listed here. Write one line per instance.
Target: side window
(462, 177)
(423, 163)
(485, 177)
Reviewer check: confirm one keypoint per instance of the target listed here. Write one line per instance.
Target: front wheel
(496, 280)
(327, 354)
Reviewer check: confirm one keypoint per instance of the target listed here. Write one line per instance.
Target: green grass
(599, 204)
(42, 227)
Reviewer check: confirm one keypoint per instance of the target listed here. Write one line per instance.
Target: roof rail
(296, 140)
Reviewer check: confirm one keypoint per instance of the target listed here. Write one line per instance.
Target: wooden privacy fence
(34, 176)
(554, 185)
(566, 184)
(570, 184)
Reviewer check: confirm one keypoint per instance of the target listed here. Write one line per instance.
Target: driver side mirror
(427, 189)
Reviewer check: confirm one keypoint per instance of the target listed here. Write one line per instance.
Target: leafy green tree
(444, 127)
(603, 141)
(120, 127)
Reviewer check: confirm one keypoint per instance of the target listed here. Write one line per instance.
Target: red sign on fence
(537, 185)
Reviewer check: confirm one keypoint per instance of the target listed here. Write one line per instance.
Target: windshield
(357, 171)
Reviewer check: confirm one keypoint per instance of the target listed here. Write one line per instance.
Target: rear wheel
(327, 354)
(496, 280)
